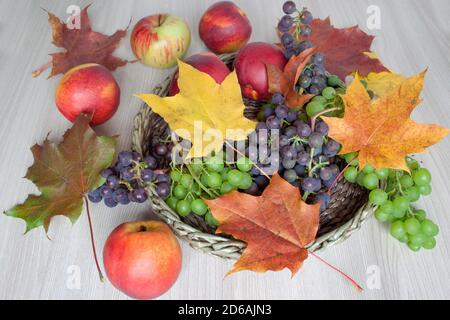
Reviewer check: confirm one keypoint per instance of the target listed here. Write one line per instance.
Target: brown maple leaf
(276, 226)
(284, 81)
(345, 49)
(382, 130)
(83, 45)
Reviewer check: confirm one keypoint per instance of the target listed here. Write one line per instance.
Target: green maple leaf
(64, 173)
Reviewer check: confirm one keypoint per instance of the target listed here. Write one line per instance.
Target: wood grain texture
(414, 35)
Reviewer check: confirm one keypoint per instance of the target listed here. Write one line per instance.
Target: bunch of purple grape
(306, 155)
(127, 179)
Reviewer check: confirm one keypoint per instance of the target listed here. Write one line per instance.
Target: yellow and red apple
(224, 27)
(88, 88)
(159, 40)
(142, 259)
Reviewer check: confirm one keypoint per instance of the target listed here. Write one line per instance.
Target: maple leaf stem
(313, 119)
(100, 274)
(251, 161)
(353, 282)
(340, 174)
(38, 71)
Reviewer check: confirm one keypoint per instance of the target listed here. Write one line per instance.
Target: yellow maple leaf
(204, 112)
(382, 130)
(382, 82)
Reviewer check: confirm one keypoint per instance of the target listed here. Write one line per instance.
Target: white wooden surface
(413, 35)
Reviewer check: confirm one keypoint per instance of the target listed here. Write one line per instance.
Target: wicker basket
(347, 210)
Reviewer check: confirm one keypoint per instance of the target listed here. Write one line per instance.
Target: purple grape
(303, 130)
(306, 17)
(305, 30)
(299, 169)
(318, 80)
(121, 196)
(162, 177)
(106, 191)
(290, 175)
(321, 128)
(324, 199)
(163, 190)
(105, 173)
(331, 148)
(314, 89)
(110, 202)
(289, 7)
(287, 152)
(113, 181)
(303, 158)
(281, 112)
(253, 189)
(284, 24)
(288, 163)
(125, 158)
(318, 58)
(298, 147)
(161, 149)
(262, 181)
(287, 40)
(305, 82)
(311, 184)
(325, 173)
(284, 141)
(277, 98)
(290, 131)
(95, 196)
(315, 140)
(335, 169)
(292, 116)
(127, 173)
(151, 162)
(137, 156)
(302, 46)
(289, 52)
(273, 122)
(147, 175)
(307, 73)
(139, 195)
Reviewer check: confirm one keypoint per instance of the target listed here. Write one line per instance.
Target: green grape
(195, 189)
(235, 177)
(417, 239)
(370, 181)
(413, 247)
(378, 197)
(214, 180)
(209, 218)
(412, 193)
(351, 156)
(382, 173)
(329, 93)
(215, 163)
(412, 226)
(172, 202)
(175, 175)
(393, 173)
(429, 228)
(314, 107)
(425, 190)
(382, 216)
(244, 164)
(246, 181)
(224, 174)
(397, 229)
(422, 177)
(429, 243)
(180, 192)
(226, 187)
(368, 168)
(183, 208)
(334, 81)
(387, 207)
(196, 166)
(360, 179)
(186, 180)
(320, 99)
(401, 204)
(199, 207)
(412, 163)
(406, 181)
(420, 215)
(350, 174)
(403, 239)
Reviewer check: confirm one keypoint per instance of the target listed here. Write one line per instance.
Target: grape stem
(313, 119)
(251, 161)
(340, 174)
(353, 282)
(91, 231)
(37, 72)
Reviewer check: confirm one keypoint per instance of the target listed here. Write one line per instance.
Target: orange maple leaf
(382, 130)
(284, 81)
(276, 226)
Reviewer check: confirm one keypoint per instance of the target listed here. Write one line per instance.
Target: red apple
(206, 62)
(88, 88)
(159, 40)
(142, 259)
(224, 27)
(250, 65)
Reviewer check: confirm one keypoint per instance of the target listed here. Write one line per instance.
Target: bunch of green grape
(209, 179)
(393, 192)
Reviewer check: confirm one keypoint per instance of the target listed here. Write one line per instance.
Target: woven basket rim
(214, 244)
